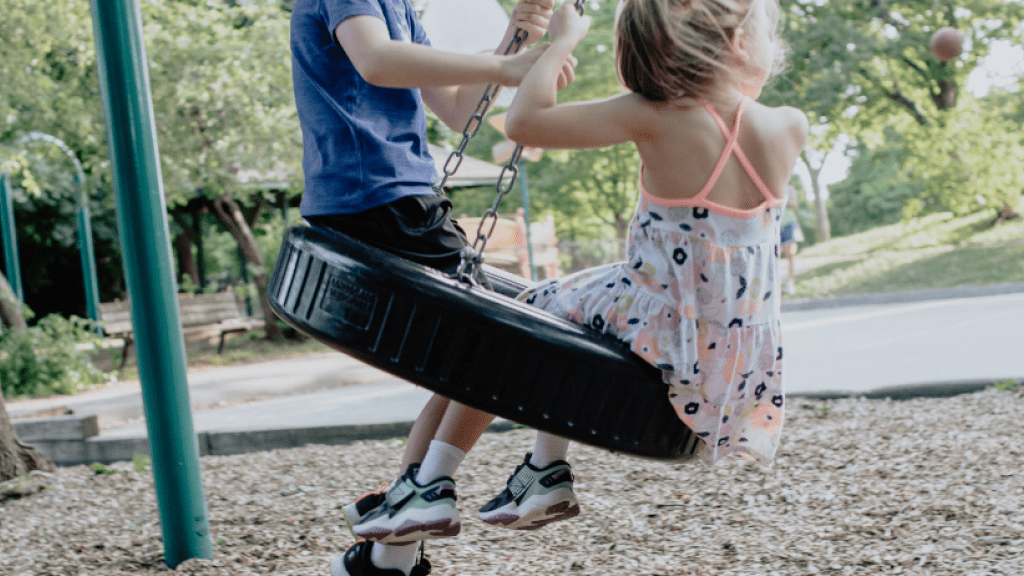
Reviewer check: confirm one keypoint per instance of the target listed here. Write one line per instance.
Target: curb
(226, 443)
(902, 297)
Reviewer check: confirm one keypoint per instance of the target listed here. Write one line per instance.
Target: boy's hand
(532, 16)
(567, 25)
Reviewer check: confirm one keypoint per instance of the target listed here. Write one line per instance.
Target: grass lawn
(935, 251)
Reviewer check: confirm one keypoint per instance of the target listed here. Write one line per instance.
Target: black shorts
(417, 228)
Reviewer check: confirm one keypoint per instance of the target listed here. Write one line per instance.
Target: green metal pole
(10, 237)
(92, 303)
(85, 249)
(146, 249)
(526, 218)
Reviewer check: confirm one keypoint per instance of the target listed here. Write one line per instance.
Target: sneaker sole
(410, 530)
(557, 506)
(352, 517)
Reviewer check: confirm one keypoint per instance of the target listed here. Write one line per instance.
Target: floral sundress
(699, 298)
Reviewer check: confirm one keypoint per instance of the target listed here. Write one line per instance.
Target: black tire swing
(481, 348)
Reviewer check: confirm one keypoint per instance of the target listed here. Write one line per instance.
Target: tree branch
(896, 96)
(924, 73)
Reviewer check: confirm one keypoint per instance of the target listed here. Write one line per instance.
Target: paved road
(858, 349)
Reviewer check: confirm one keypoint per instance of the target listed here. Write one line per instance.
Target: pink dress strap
(732, 147)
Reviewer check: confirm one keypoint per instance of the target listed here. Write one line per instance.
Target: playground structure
(510, 247)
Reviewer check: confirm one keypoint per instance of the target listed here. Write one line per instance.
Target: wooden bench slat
(220, 310)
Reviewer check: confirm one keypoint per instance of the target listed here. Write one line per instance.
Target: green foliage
(967, 161)
(875, 191)
(50, 358)
(141, 463)
(100, 469)
(1007, 385)
(222, 95)
(46, 206)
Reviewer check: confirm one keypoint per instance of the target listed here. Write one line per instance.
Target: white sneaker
(533, 498)
(790, 287)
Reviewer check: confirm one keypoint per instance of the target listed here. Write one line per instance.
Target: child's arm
(394, 64)
(452, 83)
(454, 105)
(536, 119)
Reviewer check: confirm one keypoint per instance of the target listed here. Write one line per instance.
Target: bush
(50, 358)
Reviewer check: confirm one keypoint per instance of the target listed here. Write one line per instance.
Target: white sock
(549, 449)
(400, 557)
(442, 459)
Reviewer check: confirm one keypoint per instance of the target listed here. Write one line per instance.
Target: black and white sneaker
(410, 512)
(356, 562)
(534, 497)
(356, 511)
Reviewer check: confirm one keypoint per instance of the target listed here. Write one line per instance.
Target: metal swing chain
(472, 256)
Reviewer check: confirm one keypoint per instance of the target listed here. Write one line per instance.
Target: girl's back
(680, 159)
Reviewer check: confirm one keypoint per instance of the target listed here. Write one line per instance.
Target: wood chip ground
(920, 487)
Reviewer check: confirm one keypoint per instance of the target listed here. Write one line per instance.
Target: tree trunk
(16, 458)
(186, 261)
(823, 229)
(945, 98)
(11, 313)
(621, 231)
(230, 215)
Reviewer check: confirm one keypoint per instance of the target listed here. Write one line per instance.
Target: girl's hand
(514, 68)
(567, 25)
(531, 16)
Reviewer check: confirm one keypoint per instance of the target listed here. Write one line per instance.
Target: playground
(919, 487)
(859, 485)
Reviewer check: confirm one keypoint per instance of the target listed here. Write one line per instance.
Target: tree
(221, 88)
(16, 458)
(859, 66)
(875, 191)
(224, 106)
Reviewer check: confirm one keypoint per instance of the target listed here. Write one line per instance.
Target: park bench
(217, 312)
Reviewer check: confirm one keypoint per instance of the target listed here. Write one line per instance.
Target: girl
(698, 296)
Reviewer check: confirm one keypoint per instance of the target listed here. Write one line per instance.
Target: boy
(362, 70)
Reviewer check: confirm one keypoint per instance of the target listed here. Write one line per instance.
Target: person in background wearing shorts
(363, 71)
(792, 236)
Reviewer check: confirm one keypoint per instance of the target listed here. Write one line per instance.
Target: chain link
(472, 256)
(477, 119)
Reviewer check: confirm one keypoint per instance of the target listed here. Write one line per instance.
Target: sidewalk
(334, 399)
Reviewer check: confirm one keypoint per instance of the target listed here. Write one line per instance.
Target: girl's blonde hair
(671, 49)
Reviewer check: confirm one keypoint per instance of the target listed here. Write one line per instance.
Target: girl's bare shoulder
(784, 122)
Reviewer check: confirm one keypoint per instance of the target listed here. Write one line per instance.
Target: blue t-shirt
(363, 145)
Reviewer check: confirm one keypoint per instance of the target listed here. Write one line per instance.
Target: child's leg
(462, 426)
(458, 428)
(548, 449)
(424, 430)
